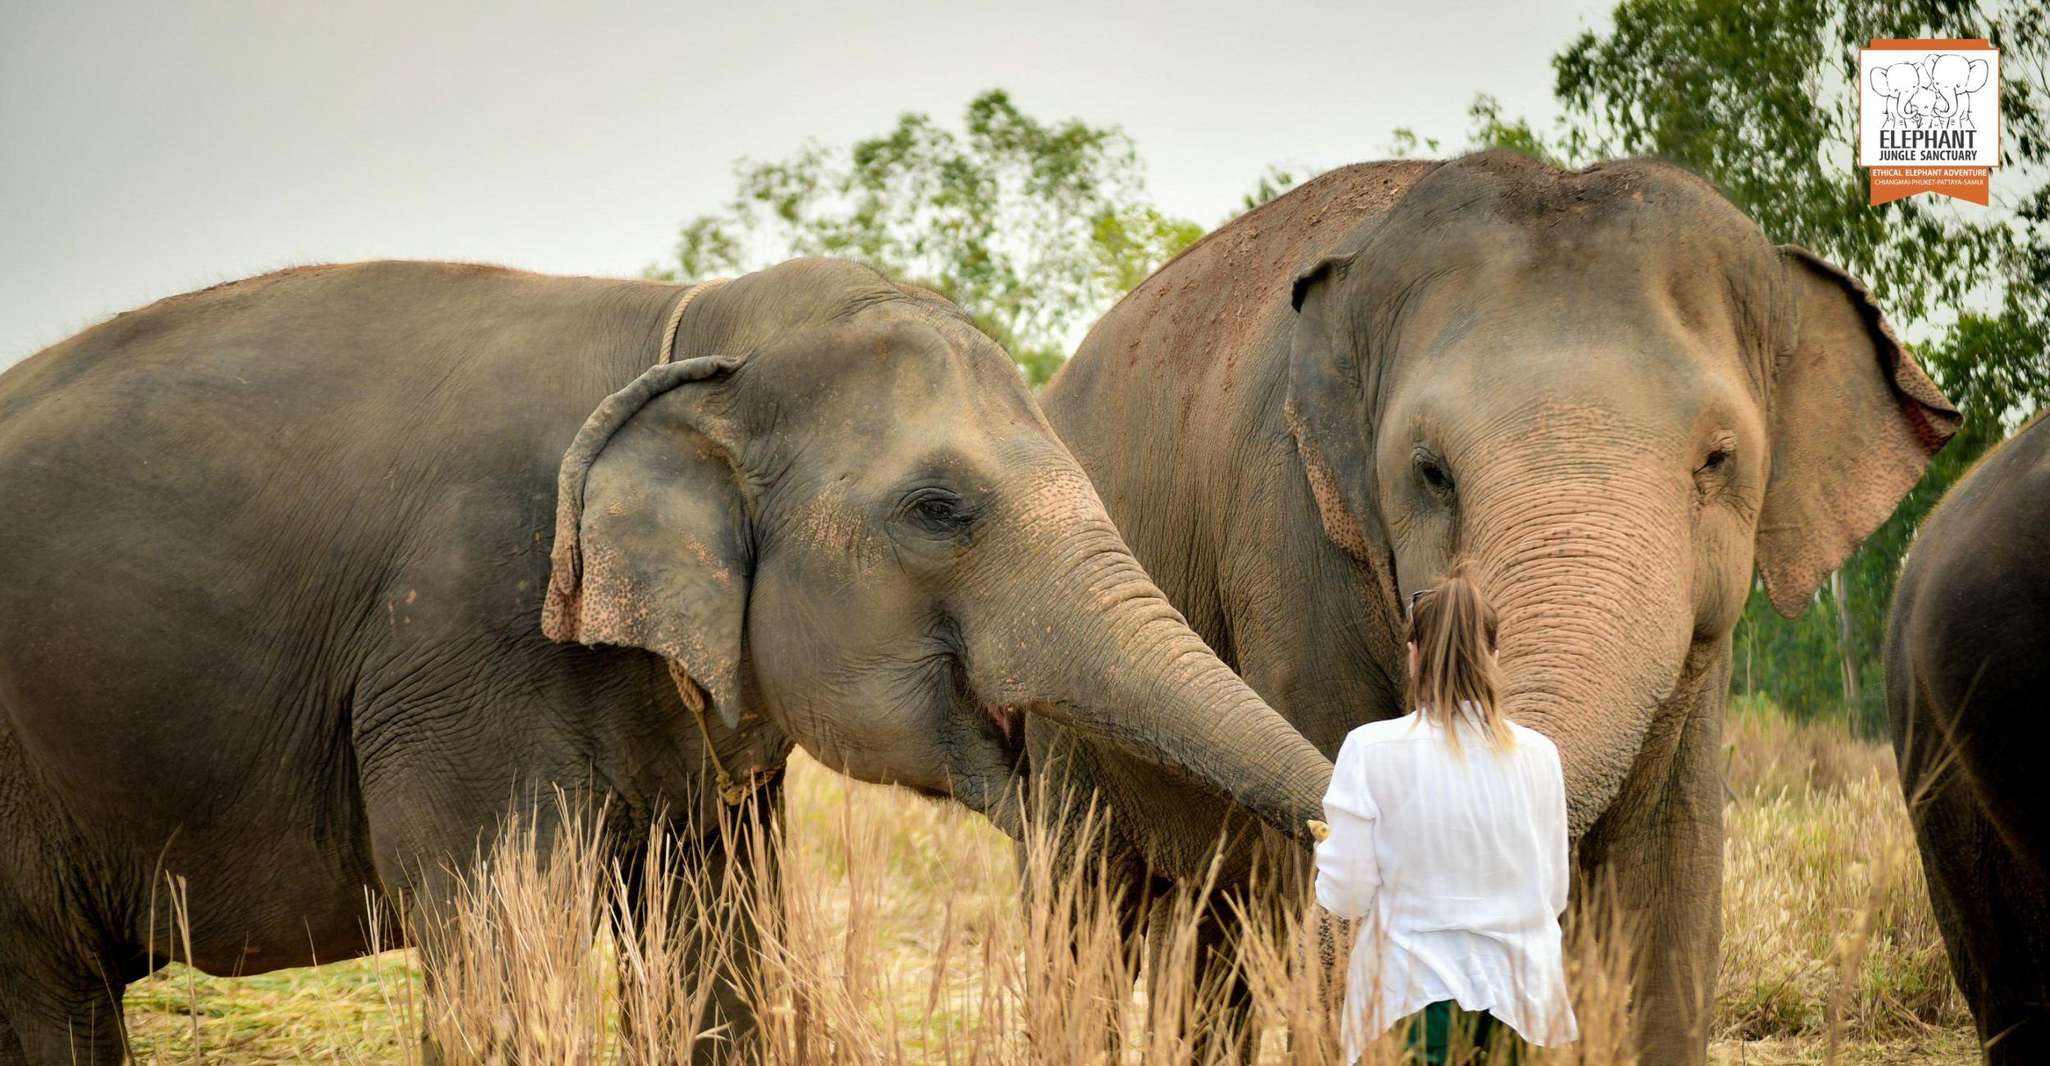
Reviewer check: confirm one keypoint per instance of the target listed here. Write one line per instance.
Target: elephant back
(1245, 271)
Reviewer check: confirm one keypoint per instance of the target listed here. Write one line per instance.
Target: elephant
(1953, 79)
(1911, 101)
(1923, 108)
(1898, 83)
(1966, 677)
(1602, 388)
(305, 577)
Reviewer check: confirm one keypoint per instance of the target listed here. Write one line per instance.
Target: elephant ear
(1977, 73)
(1855, 421)
(1327, 414)
(651, 545)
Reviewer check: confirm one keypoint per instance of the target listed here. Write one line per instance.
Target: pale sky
(153, 148)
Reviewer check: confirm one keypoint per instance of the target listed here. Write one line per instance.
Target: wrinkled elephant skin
(306, 577)
(1605, 387)
(1967, 672)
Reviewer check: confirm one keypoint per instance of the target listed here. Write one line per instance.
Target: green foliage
(1760, 97)
(1033, 227)
(1406, 143)
(1271, 184)
(1492, 129)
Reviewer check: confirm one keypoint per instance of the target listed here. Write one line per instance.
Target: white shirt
(1458, 863)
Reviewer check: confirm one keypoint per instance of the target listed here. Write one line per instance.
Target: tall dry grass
(904, 931)
(895, 935)
(1826, 918)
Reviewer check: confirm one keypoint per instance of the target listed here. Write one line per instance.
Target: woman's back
(1447, 836)
(1456, 859)
(1471, 839)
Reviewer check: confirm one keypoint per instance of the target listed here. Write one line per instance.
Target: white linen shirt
(1458, 864)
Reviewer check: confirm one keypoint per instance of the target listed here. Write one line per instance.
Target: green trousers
(1443, 1034)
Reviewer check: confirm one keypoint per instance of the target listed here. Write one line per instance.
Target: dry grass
(900, 937)
(1826, 916)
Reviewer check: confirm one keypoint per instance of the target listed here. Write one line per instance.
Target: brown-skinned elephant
(1967, 677)
(304, 578)
(1604, 387)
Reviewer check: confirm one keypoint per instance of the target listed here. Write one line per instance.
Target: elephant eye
(938, 510)
(1431, 470)
(1717, 466)
(1722, 451)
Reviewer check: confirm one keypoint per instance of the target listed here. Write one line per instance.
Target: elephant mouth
(999, 727)
(1002, 727)
(1009, 720)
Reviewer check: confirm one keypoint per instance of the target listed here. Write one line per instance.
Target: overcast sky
(153, 148)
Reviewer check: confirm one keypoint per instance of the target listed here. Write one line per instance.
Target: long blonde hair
(1453, 630)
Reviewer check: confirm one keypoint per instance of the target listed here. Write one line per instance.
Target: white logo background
(1928, 107)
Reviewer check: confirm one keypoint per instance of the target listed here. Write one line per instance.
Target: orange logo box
(1929, 117)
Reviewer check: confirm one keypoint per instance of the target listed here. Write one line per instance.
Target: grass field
(905, 941)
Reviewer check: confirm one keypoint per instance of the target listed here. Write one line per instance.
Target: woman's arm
(1347, 874)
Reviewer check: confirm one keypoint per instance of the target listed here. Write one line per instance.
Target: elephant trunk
(1948, 98)
(1081, 635)
(1586, 570)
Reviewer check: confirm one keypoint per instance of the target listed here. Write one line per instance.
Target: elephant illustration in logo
(1953, 79)
(1898, 83)
(1935, 93)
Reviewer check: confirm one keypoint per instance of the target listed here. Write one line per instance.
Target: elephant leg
(59, 1014)
(1223, 1024)
(60, 997)
(426, 830)
(721, 929)
(426, 897)
(1994, 910)
(714, 892)
(442, 778)
(1106, 864)
(1658, 856)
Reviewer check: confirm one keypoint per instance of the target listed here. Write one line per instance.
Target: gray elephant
(277, 557)
(1604, 387)
(1967, 669)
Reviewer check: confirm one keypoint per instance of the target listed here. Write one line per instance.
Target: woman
(1448, 835)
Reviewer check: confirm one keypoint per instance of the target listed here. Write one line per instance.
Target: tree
(1759, 96)
(1273, 182)
(1032, 227)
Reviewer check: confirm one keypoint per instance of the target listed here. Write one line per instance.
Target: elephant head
(841, 509)
(1922, 107)
(1947, 76)
(1896, 82)
(1609, 391)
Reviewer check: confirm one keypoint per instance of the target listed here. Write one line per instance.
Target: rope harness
(730, 791)
(676, 316)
